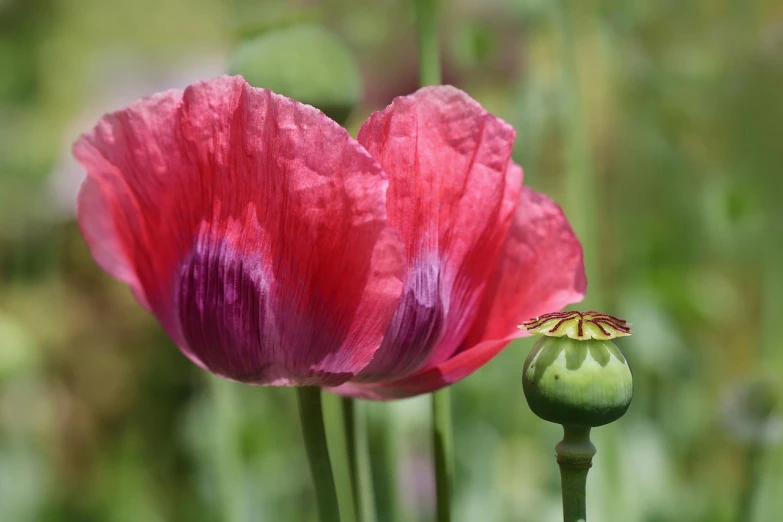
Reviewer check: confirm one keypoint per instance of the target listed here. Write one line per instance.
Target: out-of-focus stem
(426, 12)
(581, 197)
(349, 427)
(772, 304)
(768, 353)
(390, 451)
(311, 418)
(575, 458)
(442, 452)
(580, 193)
(227, 461)
(355, 421)
(337, 440)
(751, 480)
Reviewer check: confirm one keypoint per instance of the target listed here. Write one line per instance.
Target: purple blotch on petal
(234, 323)
(415, 329)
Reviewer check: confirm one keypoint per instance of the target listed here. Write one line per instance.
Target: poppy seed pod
(576, 375)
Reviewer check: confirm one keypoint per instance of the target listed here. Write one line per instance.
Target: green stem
(386, 472)
(752, 478)
(582, 197)
(228, 465)
(575, 458)
(442, 452)
(349, 426)
(337, 440)
(580, 194)
(426, 13)
(311, 417)
(355, 421)
(772, 306)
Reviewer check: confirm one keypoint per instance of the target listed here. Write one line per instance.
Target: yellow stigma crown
(578, 325)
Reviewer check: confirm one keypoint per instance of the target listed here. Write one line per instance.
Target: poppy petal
(103, 239)
(251, 225)
(540, 270)
(452, 194)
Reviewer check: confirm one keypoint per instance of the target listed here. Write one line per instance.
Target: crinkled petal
(540, 270)
(452, 195)
(251, 225)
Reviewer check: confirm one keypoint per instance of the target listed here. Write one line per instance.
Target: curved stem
(442, 452)
(355, 420)
(311, 417)
(575, 458)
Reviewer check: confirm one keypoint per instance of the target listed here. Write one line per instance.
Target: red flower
(256, 230)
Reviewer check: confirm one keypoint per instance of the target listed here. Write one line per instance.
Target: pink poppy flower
(276, 250)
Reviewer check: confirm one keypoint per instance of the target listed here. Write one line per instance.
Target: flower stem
(582, 199)
(575, 458)
(355, 421)
(311, 417)
(390, 452)
(349, 427)
(337, 442)
(442, 452)
(426, 12)
(752, 477)
(580, 194)
(228, 466)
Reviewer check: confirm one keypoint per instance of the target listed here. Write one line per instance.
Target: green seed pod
(576, 375)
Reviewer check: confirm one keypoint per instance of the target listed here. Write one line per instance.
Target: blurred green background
(657, 124)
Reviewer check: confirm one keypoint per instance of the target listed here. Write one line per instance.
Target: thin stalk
(355, 421)
(227, 462)
(388, 448)
(575, 458)
(772, 305)
(349, 427)
(337, 440)
(580, 193)
(767, 354)
(311, 418)
(772, 308)
(752, 479)
(582, 199)
(442, 452)
(426, 13)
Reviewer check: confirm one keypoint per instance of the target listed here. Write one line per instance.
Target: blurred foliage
(325, 75)
(101, 419)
